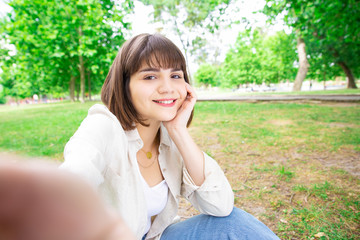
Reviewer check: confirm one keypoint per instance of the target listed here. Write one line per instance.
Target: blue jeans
(238, 225)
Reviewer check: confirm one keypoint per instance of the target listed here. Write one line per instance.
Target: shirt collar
(164, 136)
(133, 135)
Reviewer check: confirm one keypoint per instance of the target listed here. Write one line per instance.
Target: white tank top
(156, 199)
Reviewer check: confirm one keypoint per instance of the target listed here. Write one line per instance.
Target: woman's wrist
(177, 132)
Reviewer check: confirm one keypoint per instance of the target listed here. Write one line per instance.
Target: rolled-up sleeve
(215, 196)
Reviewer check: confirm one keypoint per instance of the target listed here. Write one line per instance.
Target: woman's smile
(165, 102)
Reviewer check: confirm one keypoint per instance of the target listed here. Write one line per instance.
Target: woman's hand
(192, 156)
(184, 112)
(41, 203)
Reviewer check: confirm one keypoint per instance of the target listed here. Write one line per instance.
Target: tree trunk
(72, 89)
(180, 34)
(351, 80)
(89, 85)
(82, 70)
(82, 80)
(303, 65)
(77, 89)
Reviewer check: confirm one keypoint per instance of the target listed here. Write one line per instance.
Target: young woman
(137, 151)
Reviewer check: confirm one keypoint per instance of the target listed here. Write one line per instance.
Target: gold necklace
(148, 154)
(149, 164)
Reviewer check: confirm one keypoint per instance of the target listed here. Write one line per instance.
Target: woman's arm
(85, 153)
(190, 152)
(204, 183)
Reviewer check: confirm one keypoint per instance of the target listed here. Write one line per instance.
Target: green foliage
(257, 58)
(329, 28)
(2, 98)
(58, 40)
(321, 69)
(207, 75)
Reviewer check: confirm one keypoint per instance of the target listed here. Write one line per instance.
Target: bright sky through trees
(142, 23)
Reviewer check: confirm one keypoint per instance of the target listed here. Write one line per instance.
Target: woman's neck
(149, 135)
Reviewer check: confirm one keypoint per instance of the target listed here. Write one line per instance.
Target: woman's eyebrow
(150, 70)
(158, 70)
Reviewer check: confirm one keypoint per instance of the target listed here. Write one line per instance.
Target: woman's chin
(168, 118)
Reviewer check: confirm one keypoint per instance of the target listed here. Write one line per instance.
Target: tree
(190, 16)
(282, 55)
(258, 58)
(321, 69)
(58, 42)
(332, 24)
(207, 75)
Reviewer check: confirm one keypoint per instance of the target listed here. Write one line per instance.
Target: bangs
(158, 52)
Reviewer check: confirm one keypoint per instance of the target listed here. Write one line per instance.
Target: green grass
(40, 130)
(274, 154)
(283, 125)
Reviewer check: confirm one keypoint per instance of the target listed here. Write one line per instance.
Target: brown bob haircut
(153, 50)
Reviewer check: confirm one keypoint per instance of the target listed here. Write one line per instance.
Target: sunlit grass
(275, 156)
(40, 130)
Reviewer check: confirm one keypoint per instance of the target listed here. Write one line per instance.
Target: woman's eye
(177, 76)
(150, 77)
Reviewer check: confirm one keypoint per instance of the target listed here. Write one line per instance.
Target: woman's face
(157, 93)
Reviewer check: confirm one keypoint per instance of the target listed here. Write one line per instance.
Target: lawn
(295, 166)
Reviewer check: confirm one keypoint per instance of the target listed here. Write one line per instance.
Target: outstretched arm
(38, 202)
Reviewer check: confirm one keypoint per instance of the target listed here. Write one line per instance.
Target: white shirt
(104, 154)
(156, 199)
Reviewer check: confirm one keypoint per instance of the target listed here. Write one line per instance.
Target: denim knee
(239, 225)
(241, 222)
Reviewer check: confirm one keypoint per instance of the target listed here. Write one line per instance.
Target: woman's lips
(165, 102)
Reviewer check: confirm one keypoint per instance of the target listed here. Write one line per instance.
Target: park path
(330, 97)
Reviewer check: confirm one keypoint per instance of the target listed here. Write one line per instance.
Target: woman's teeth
(165, 102)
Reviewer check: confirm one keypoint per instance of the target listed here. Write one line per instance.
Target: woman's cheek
(182, 93)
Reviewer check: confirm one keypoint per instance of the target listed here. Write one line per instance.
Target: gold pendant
(149, 155)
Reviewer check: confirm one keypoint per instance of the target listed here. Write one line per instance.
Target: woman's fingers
(191, 92)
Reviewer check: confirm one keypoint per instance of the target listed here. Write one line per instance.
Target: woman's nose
(165, 86)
